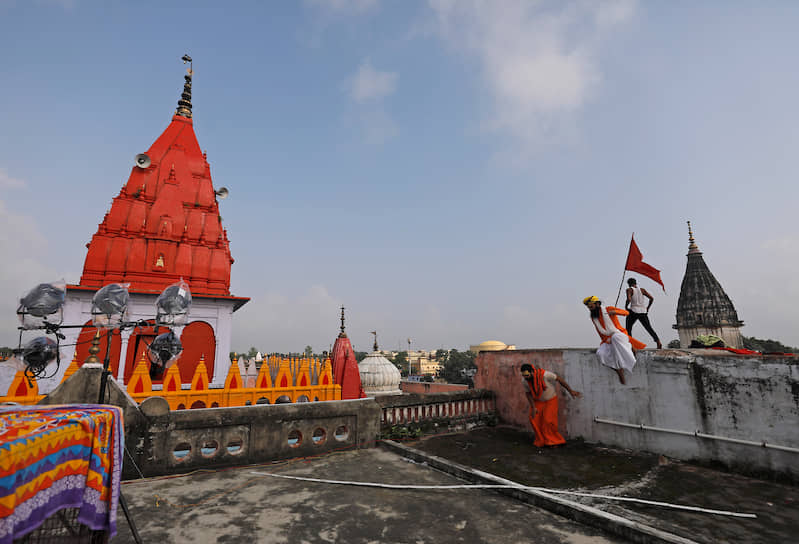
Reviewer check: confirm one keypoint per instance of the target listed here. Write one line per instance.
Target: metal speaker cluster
(163, 351)
(42, 305)
(38, 353)
(143, 160)
(173, 305)
(110, 305)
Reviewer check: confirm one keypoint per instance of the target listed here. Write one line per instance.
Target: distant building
(424, 362)
(491, 345)
(703, 307)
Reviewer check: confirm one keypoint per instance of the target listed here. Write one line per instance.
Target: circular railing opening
(235, 447)
(209, 448)
(341, 433)
(295, 438)
(181, 451)
(319, 436)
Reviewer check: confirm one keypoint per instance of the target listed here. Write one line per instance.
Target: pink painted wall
(499, 372)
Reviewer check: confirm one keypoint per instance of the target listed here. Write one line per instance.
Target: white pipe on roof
(697, 434)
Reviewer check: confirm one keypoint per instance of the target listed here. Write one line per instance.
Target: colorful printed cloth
(54, 457)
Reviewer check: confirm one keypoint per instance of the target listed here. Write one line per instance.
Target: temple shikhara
(703, 307)
(165, 226)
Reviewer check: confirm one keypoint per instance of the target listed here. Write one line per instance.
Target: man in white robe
(616, 349)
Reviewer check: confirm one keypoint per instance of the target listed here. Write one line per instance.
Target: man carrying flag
(636, 305)
(639, 309)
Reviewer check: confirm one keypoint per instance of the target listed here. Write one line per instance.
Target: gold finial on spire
(94, 349)
(375, 345)
(692, 247)
(184, 104)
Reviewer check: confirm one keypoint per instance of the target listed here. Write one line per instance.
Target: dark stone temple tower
(704, 307)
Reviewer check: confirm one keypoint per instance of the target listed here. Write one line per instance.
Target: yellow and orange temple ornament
(279, 380)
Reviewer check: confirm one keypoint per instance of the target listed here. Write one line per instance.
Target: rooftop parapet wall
(450, 411)
(161, 441)
(714, 392)
(430, 387)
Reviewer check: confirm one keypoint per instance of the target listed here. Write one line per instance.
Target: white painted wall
(715, 392)
(218, 313)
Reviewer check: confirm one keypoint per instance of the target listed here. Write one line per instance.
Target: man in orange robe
(543, 401)
(617, 347)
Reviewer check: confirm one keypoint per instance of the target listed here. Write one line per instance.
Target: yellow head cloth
(586, 300)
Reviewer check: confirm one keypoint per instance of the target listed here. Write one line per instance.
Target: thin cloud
(275, 322)
(24, 250)
(377, 126)
(367, 89)
(369, 84)
(8, 182)
(538, 60)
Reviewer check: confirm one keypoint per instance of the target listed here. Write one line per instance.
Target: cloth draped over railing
(56, 457)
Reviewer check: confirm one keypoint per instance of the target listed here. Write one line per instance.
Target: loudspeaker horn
(222, 193)
(142, 160)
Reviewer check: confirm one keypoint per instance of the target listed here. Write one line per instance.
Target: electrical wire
(512, 486)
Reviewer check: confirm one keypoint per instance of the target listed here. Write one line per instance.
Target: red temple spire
(165, 222)
(345, 366)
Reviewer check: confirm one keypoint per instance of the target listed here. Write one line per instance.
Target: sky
(449, 171)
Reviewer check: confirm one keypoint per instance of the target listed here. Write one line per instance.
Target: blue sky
(449, 171)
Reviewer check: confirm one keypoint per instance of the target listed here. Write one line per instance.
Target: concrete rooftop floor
(244, 505)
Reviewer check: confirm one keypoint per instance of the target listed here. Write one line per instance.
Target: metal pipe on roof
(697, 434)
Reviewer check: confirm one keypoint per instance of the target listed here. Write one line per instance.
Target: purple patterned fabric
(55, 457)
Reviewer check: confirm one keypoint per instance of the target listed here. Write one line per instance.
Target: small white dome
(379, 376)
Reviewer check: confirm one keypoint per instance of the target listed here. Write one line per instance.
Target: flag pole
(620, 286)
(624, 273)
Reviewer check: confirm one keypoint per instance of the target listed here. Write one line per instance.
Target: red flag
(635, 263)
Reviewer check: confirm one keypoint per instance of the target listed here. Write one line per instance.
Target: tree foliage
(400, 360)
(458, 367)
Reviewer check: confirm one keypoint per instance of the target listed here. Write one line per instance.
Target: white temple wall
(751, 398)
(218, 313)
